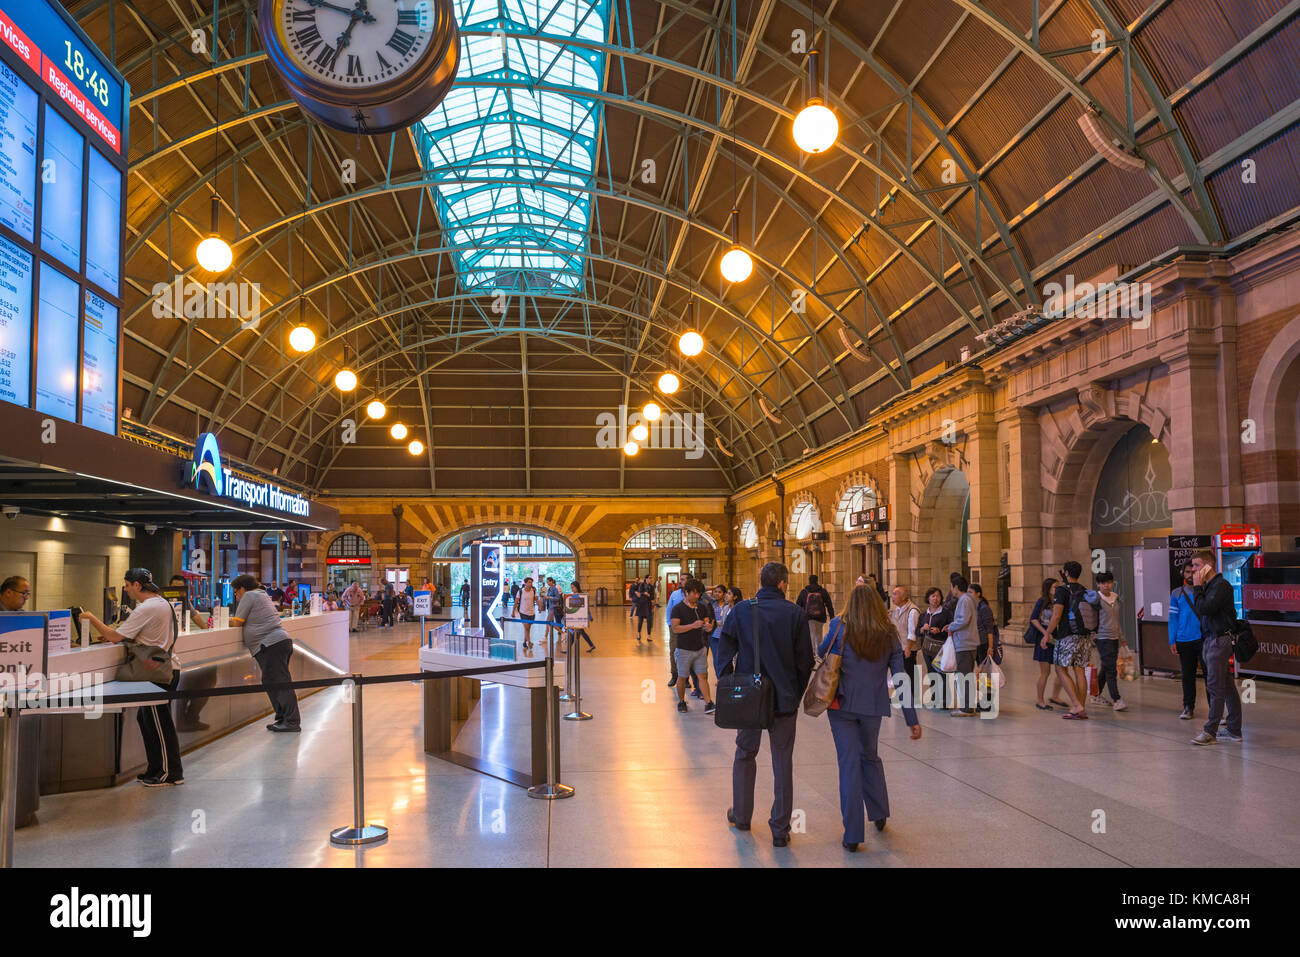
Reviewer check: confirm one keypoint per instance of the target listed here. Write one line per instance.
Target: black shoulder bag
(747, 701)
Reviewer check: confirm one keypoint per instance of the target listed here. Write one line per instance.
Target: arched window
(670, 536)
(858, 499)
(805, 520)
(540, 544)
(749, 534)
(347, 545)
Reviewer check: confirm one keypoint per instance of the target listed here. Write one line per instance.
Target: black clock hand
(355, 13)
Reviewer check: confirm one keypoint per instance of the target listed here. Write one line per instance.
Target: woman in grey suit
(865, 636)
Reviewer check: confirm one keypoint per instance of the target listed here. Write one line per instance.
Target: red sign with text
(1239, 536)
(347, 561)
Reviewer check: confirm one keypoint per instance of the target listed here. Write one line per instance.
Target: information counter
(80, 753)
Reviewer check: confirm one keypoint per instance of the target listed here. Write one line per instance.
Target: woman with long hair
(1039, 619)
(527, 609)
(866, 638)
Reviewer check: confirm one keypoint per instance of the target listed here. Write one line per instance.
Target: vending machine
(1237, 545)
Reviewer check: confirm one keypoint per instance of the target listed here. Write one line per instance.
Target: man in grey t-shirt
(270, 644)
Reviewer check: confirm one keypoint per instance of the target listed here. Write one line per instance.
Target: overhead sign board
(1239, 536)
(207, 474)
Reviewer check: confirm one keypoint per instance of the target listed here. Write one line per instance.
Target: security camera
(151, 529)
(10, 511)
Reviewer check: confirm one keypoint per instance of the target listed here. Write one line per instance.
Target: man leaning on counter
(270, 644)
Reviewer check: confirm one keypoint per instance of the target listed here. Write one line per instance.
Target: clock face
(354, 44)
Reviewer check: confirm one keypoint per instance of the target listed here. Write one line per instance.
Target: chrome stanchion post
(359, 832)
(567, 694)
(552, 789)
(8, 781)
(575, 662)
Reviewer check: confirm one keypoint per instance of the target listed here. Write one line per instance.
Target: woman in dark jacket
(987, 625)
(868, 642)
(930, 625)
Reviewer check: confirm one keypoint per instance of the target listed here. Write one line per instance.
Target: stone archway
(842, 565)
(1271, 441)
(941, 541)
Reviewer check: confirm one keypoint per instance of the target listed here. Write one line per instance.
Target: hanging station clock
(364, 66)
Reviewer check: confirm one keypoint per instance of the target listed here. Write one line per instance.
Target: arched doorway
(670, 553)
(530, 552)
(943, 529)
(1130, 501)
(1271, 442)
(805, 558)
(858, 551)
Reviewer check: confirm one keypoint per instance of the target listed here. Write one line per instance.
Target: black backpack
(1244, 643)
(1082, 621)
(815, 606)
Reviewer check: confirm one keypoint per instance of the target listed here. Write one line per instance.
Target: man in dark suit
(787, 660)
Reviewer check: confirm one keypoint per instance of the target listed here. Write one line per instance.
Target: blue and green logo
(207, 464)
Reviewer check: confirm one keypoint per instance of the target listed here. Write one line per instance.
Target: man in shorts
(1073, 649)
(692, 623)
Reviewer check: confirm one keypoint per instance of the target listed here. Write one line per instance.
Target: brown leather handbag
(825, 683)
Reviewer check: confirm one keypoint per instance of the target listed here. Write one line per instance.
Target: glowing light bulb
(737, 265)
(631, 449)
(416, 447)
(376, 409)
(691, 343)
(214, 254)
(398, 431)
(815, 128)
(346, 380)
(301, 339)
(669, 383)
(651, 411)
(640, 432)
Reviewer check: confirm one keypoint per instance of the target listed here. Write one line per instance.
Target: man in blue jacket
(787, 660)
(1185, 638)
(1218, 613)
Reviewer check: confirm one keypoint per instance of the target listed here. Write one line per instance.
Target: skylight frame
(532, 231)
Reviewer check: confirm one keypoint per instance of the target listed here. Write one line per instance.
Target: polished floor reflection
(653, 786)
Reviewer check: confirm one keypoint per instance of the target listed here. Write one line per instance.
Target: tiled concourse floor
(653, 785)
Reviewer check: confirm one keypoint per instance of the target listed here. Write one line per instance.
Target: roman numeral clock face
(361, 43)
(365, 66)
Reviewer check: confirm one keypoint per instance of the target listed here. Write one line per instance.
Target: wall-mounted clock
(365, 66)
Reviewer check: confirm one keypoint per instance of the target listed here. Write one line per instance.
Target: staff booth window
(348, 561)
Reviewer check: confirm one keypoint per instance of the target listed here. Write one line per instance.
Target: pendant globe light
(376, 409)
(816, 127)
(398, 431)
(640, 433)
(651, 411)
(346, 380)
(214, 253)
(737, 264)
(669, 383)
(631, 449)
(691, 343)
(302, 339)
(416, 447)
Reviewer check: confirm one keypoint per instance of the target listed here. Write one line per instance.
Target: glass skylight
(511, 165)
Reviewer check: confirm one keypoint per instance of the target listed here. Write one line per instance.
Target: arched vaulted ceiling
(960, 185)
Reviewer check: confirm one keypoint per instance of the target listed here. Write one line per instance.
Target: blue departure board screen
(15, 323)
(17, 153)
(63, 132)
(61, 190)
(56, 344)
(103, 223)
(99, 365)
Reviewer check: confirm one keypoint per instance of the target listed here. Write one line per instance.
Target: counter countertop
(194, 648)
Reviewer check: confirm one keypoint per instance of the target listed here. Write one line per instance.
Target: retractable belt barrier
(357, 833)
